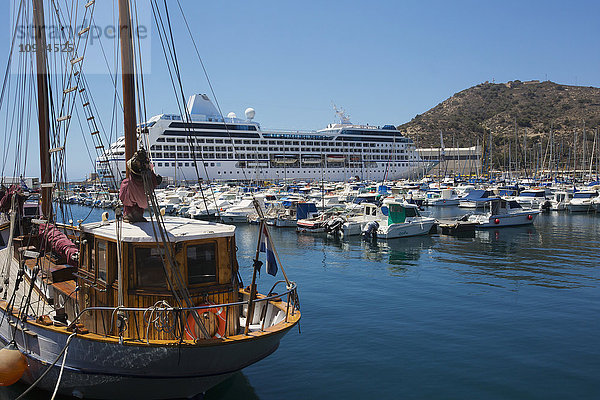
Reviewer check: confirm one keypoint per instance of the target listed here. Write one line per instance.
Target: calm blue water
(513, 313)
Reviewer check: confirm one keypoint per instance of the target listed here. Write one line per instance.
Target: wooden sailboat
(149, 310)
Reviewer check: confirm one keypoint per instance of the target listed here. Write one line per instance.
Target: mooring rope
(38, 380)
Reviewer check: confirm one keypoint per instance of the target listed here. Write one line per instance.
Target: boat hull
(310, 226)
(443, 202)
(470, 204)
(581, 207)
(109, 370)
(234, 219)
(497, 221)
(406, 229)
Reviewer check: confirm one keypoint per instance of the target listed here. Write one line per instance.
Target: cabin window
(410, 212)
(149, 268)
(102, 260)
(201, 263)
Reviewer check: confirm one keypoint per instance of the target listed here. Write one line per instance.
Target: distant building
(31, 183)
(453, 161)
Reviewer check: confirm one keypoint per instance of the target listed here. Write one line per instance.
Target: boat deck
(38, 304)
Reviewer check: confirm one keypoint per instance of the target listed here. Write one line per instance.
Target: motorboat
(443, 198)
(582, 201)
(499, 213)
(403, 220)
(475, 198)
(532, 198)
(559, 200)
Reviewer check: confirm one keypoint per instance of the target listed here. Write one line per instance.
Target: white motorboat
(500, 213)
(532, 198)
(403, 220)
(559, 200)
(353, 225)
(239, 213)
(582, 201)
(475, 198)
(443, 198)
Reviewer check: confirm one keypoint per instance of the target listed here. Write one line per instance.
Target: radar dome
(250, 113)
(231, 115)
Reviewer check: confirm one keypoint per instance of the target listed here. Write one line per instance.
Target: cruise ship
(232, 148)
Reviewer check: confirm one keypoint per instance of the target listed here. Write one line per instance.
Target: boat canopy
(477, 195)
(179, 230)
(304, 209)
(585, 195)
(533, 193)
(398, 213)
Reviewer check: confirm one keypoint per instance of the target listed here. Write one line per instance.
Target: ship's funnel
(200, 104)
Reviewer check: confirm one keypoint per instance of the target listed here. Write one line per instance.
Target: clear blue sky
(383, 61)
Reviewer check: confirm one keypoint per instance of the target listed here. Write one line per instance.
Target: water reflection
(402, 253)
(236, 387)
(515, 256)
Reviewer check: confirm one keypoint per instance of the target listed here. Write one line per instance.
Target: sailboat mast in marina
(142, 306)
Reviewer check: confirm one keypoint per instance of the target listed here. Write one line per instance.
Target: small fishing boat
(318, 223)
(500, 213)
(403, 220)
(353, 225)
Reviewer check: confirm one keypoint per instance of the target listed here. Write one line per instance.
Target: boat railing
(171, 323)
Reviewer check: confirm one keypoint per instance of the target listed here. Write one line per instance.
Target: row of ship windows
(212, 164)
(257, 156)
(275, 142)
(272, 149)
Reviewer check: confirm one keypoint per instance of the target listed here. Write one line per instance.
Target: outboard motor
(370, 230)
(547, 206)
(334, 225)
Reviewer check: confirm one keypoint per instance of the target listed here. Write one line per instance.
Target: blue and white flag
(23, 184)
(266, 247)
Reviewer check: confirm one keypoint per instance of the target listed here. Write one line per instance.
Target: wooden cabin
(205, 258)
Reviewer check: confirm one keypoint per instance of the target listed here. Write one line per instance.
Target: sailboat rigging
(133, 308)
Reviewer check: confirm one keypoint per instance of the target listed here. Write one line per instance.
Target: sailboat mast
(128, 79)
(43, 109)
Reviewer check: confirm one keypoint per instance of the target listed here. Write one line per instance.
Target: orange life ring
(191, 331)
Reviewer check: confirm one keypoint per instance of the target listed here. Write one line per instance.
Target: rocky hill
(494, 109)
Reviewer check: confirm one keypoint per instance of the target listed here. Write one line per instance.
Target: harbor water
(510, 313)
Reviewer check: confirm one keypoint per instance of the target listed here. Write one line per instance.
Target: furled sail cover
(51, 236)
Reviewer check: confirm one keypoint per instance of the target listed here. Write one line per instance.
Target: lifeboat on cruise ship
(311, 159)
(336, 158)
(285, 159)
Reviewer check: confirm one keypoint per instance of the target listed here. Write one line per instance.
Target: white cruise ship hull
(207, 146)
(230, 170)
